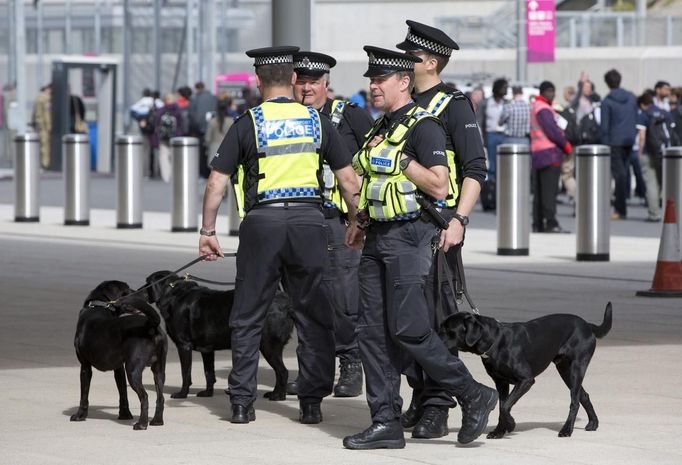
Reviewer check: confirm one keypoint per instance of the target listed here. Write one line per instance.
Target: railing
(573, 29)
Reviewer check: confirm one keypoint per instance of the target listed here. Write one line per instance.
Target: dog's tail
(602, 330)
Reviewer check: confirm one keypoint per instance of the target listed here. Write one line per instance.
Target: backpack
(146, 123)
(657, 133)
(589, 131)
(571, 131)
(167, 128)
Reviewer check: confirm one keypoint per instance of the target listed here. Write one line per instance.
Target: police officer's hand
(354, 236)
(208, 245)
(452, 236)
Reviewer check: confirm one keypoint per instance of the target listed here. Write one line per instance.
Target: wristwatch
(404, 162)
(206, 232)
(464, 220)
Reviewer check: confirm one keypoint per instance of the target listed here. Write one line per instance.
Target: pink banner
(540, 30)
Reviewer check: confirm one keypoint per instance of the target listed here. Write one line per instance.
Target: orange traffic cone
(668, 275)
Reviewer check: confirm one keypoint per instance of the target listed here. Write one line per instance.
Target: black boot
(433, 423)
(378, 436)
(350, 379)
(310, 414)
(242, 414)
(476, 403)
(292, 387)
(411, 416)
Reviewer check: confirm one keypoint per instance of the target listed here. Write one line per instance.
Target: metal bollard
(76, 150)
(233, 218)
(26, 177)
(672, 177)
(129, 168)
(513, 199)
(185, 154)
(593, 202)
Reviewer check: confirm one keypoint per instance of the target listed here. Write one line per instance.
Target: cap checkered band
(312, 65)
(428, 45)
(390, 62)
(274, 60)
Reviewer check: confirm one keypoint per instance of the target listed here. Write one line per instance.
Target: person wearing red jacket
(548, 145)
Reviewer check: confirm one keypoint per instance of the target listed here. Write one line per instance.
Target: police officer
(403, 158)
(428, 412)
(340, 279)
(274, 154)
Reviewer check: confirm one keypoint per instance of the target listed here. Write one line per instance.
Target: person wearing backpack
(168, 124)
(618, 131)
(653, 136)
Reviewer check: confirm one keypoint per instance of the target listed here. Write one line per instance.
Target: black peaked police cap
(427, 38)
(383, 61)
(312, 63)
(272, 55)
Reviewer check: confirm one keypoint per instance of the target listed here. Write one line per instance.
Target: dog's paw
(156, 422)
(565, 432)
(79, 416)
(139, 426)
(275, 395)
(205, 393)
(125, 415)
(592, 426)
(495, 434)
(179, 395)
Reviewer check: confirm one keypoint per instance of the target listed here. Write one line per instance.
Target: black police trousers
(442, 303)
(288, 243)
(340, 283)
(395, 323)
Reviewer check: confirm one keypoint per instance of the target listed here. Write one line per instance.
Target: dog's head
(160, 284)
(466, 332)
(108, 291)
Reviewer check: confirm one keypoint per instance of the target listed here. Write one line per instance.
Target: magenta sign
(540, 30)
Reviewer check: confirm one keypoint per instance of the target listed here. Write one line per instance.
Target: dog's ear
(473, 330)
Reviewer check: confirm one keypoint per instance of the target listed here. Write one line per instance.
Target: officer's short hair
(441, 61)
(275, 75)
(409, 74)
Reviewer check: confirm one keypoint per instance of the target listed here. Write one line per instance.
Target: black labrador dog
(516, 353)
(123, 337)
(197, 318)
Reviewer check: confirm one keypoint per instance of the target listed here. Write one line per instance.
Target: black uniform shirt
(463, 136)
(426, 142)
(240, 143)
(353, 126)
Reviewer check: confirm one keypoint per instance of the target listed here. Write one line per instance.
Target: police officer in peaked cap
(403, 158)
(428, 411)
(340, 280)
(274, 155)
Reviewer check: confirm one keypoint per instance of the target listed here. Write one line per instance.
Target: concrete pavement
(47, 270)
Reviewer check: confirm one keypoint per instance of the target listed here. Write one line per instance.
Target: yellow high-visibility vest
(386, 192)
(438, 103)
(288, 140)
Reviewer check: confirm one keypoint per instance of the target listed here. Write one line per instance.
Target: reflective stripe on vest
(288, 140)
(332, 193)
(386, 192)
(538, 140)
(436, 106)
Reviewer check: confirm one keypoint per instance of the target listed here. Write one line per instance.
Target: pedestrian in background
(618, 131)
(201, 109)
(218, 126)
(493, 130)
(548, 145)
(42, 123)
(515, 118)
(168, 124)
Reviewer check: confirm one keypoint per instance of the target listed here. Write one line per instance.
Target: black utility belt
(288, 204)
